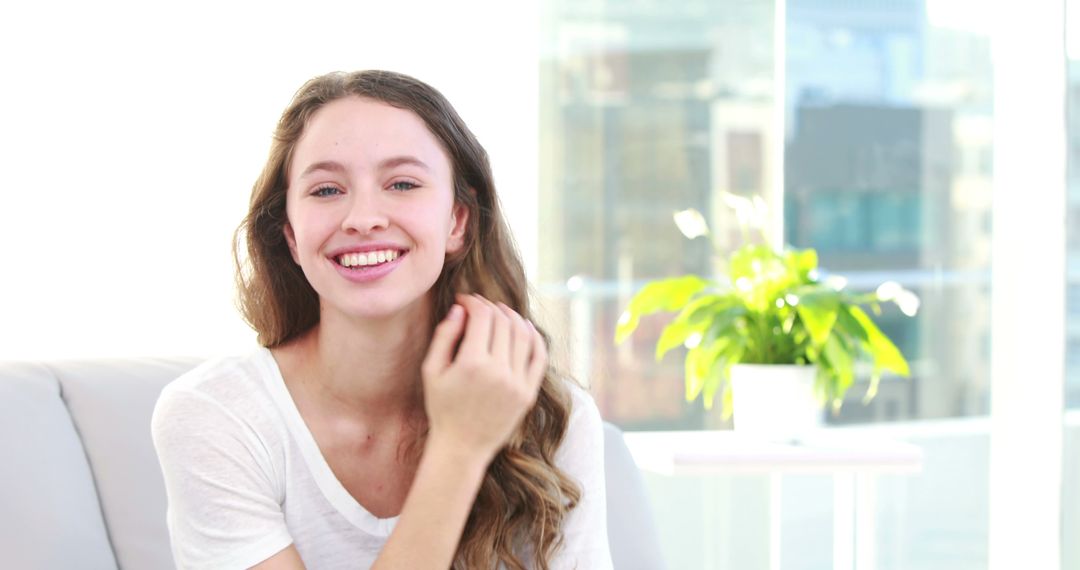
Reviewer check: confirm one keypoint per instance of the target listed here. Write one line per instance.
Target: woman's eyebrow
(385, 164)
(402, 160)
(327, 165)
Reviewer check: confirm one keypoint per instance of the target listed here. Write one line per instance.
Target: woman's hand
(478, 397)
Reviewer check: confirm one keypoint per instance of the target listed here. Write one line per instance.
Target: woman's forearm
(432, 520)
(476, 395)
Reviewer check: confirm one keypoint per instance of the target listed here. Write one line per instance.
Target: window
(646, 110)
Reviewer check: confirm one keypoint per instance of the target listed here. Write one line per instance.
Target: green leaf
(875, 380)
(720, 375)
(709, 393)
(695, 381)
(852, 328)
(724, 324)
(818, 311)
(673, 335)
(751, 262)
(705, 369)
(840, 365)
(663, 295)
(626, 325)
(666, 294)
(802, 263)
(886, 355)
(808, 260)
(694, 318)
(728, 402)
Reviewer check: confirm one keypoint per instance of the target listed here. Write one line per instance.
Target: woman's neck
(364, 370)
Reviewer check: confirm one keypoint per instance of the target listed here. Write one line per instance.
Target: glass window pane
(646, 108)
(888, 177)
(887, 156)
(1071, 459)
(884, 162)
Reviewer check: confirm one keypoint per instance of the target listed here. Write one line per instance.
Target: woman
(401, 412)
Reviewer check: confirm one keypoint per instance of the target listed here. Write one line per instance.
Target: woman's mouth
(358, 261)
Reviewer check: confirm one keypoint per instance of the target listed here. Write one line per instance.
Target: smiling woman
(395, 182)
(401, 411)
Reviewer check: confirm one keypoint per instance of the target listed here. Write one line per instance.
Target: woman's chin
(380, 311)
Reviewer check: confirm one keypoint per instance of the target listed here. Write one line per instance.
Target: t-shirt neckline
(324, 477)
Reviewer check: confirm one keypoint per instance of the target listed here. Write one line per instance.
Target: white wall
(133, 131)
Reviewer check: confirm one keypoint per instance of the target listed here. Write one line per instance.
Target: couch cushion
(635, 543)
(111, 402)
(51, 515)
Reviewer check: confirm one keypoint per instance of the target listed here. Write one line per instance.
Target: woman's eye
(324, 191)
(402, 186)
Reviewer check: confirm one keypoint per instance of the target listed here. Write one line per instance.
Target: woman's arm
(434, 514)
(288, 559)
(432, 519)
(475, 400)
(224, 502)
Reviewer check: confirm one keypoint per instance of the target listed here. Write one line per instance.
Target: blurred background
(132, 133)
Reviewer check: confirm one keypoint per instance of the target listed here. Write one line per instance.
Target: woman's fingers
(441, 351)
(477, 341)
(538, 360)
(521, 341)
(479, 396)
(502, 334)
(514, 324)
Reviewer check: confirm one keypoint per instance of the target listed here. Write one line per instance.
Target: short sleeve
(581, 456)
(224, 506)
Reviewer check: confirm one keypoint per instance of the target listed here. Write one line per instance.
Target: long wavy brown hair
(524, 497)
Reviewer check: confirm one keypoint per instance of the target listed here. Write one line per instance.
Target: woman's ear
(459, 224)
(290, 238)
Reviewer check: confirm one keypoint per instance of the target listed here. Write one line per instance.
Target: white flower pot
(774, 401)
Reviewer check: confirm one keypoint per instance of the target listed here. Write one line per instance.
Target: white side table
(853, 460)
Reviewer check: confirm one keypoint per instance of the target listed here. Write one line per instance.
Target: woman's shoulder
(584, 430)
(226, 390)
(582, 405)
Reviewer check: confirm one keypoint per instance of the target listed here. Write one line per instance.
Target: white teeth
(370, 258)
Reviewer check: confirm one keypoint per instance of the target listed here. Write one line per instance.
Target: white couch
(80, 486)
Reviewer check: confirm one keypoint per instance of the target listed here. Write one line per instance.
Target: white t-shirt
(245, 478)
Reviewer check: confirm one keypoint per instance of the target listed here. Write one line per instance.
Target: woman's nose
(366, 212)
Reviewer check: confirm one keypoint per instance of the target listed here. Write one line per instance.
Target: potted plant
(770, 313)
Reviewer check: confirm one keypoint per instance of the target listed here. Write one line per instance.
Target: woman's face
(370, 206)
